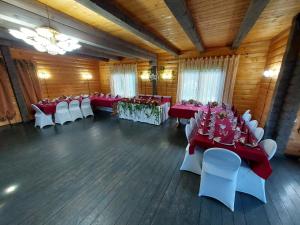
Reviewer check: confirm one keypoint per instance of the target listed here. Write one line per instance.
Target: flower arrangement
(222, 114)
(143, 101)
(197, 104)
(191, 101)
(214, 104)
(184, 102)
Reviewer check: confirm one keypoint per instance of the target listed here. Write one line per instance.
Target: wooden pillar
(13, 77)
(286, 100)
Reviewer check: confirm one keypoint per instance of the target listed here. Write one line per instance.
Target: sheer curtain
(207, 79)
(123, 80)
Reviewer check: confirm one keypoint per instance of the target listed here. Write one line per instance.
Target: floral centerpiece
(197, 104)
(222, 114)
(134, 105)
(214, 104)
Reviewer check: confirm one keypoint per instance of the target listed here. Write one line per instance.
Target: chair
(191, 163)
(247, 117)
(248, 181)
(269, 147)
(188, 131)
(193, 122)
(41, 119)
(219, 175)
(62, 113)
(259, 133)
(246, 112)
(75, 110)
(86, 108)
(252, 125)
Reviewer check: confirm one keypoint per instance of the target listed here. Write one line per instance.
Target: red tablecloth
(184, 111)
(103, 102)
(50, 108)
(47, 108)
(256, 157)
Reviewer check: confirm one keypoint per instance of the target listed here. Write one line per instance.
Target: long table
(96, 101)
(183, 111)
(144, 113)
(255, 156)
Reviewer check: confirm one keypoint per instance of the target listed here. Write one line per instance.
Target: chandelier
(46, 39)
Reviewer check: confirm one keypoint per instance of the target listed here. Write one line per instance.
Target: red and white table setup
(184, 111)
(219, 128)
(146, 109)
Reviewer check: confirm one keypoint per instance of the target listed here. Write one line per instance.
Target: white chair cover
(219, 175)
(247, 117)
(248, 181)
(252, 125)
(41, 119)
(193, 122)
(246, 112)
(188, 131)
(75, 110)
(269, 146)
(259, 133)
(62, 113)
(192, 163)
(86, 108)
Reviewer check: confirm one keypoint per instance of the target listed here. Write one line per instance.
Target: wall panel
(267, 84)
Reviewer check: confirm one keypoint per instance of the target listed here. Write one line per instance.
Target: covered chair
(75, 110)
(219, 175)
(191, 163)
(86, 108)
(259, 133)
(250, 183)
(193, 122)
(41, 119)
(247, 117)
(252, 125)
(62, 113)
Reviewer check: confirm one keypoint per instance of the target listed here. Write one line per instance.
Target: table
(256, 157)
(109, 102)
(152, 114)
(184, 111)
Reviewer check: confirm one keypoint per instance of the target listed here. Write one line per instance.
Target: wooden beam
(35, 13)
(286, 99)
(181, 12)
(15, 83)
(254, 10)
(110, 11)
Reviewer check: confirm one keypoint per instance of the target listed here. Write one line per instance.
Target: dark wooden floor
(110, 171)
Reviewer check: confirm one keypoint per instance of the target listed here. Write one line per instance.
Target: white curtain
(123, 80)
(207, 79)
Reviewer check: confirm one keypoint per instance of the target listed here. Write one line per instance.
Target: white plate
(222, 142)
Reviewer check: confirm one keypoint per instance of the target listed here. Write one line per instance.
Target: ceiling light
(46, 39)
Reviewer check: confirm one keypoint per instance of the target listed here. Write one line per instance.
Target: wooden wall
(65, 72)
(267, 84)
(251, 67)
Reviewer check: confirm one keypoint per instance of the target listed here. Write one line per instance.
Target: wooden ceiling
(217, 21)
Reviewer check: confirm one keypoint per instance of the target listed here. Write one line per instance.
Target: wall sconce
(268, 73)
(145, 75)
(87, 76)
(43, 75)
(167, 74)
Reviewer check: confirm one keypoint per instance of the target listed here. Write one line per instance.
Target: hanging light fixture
(46, 39)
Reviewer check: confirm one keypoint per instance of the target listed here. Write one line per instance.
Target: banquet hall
(149, 112)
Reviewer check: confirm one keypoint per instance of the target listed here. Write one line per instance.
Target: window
(202, 85)
(123, 80)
